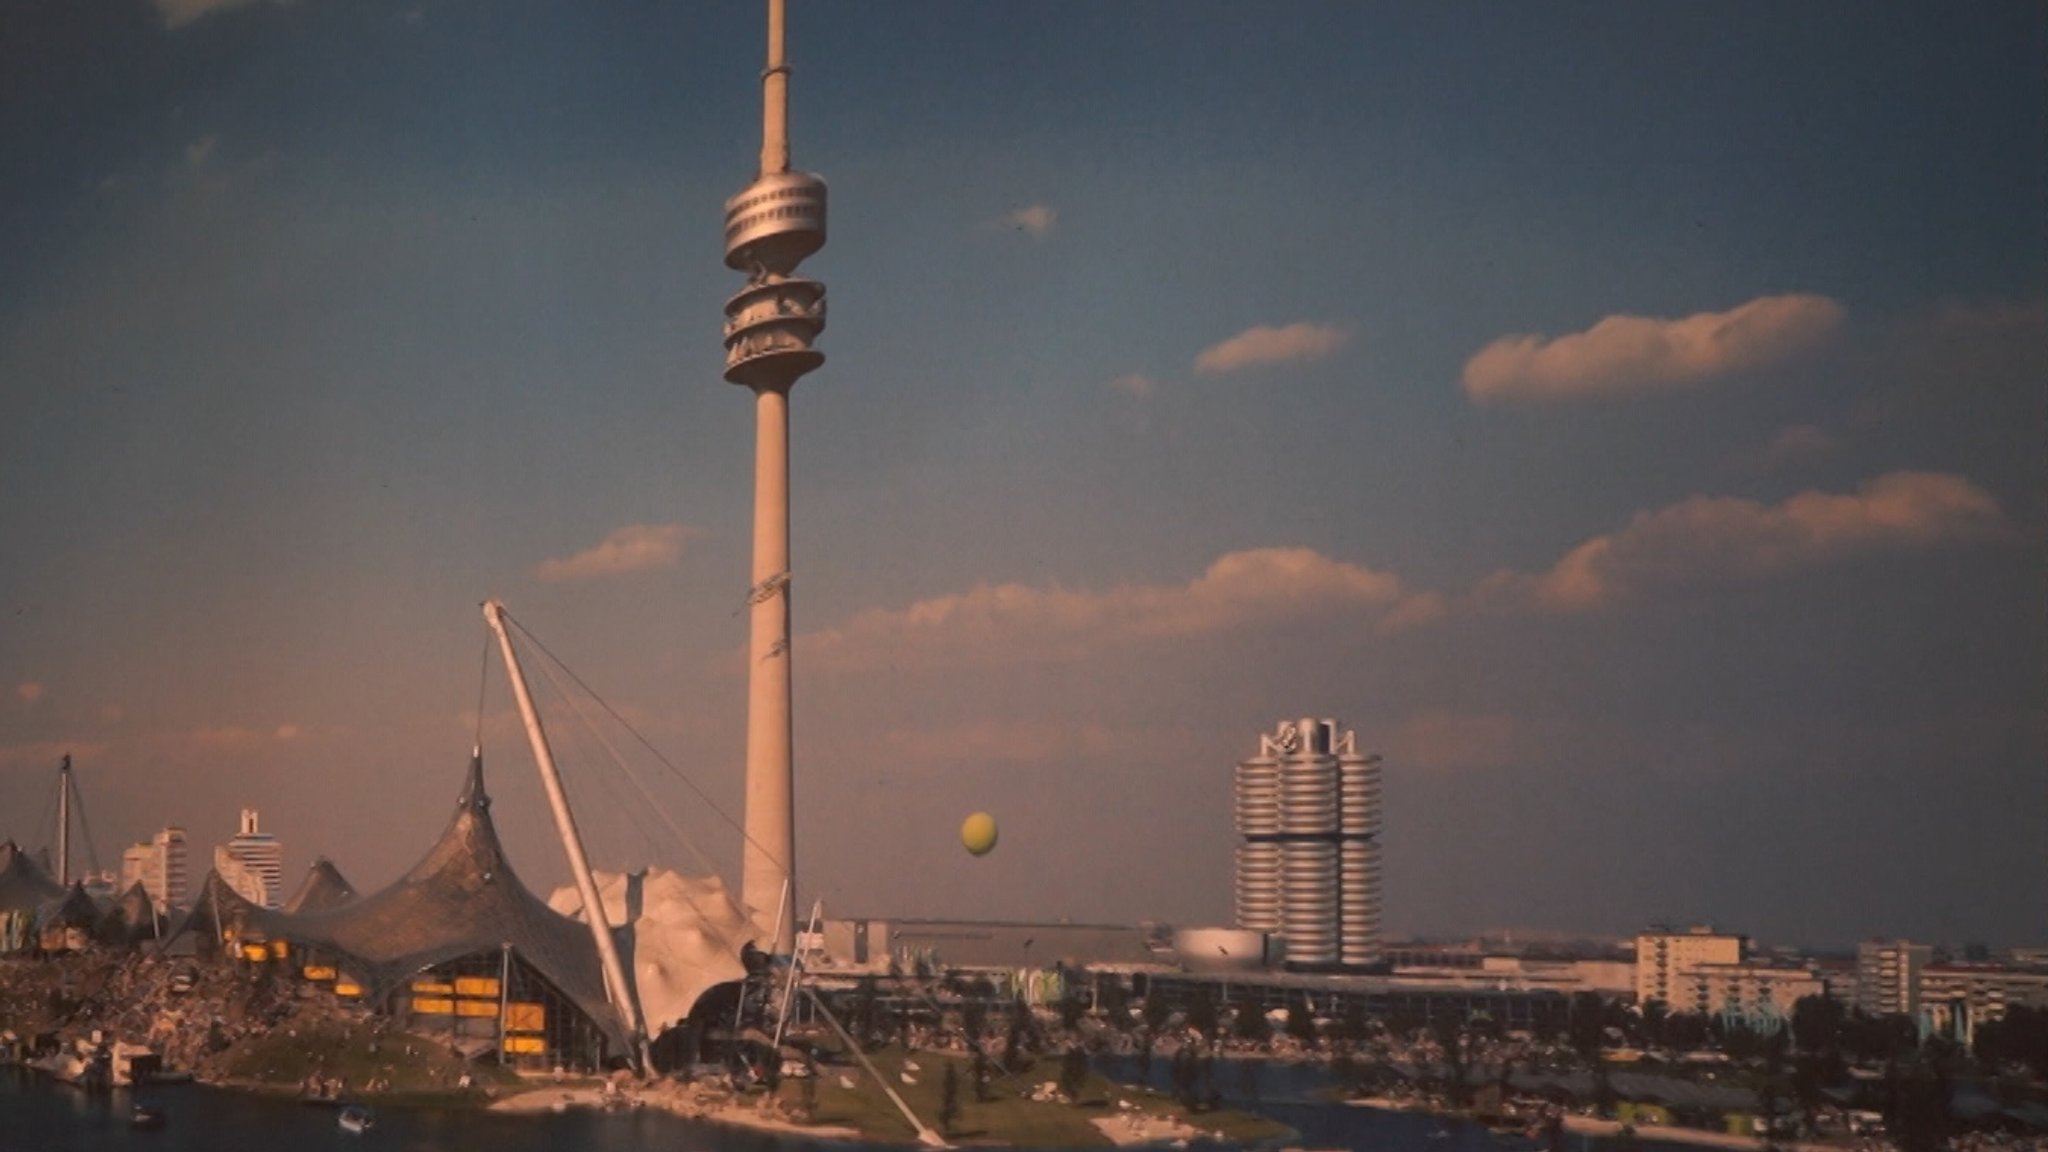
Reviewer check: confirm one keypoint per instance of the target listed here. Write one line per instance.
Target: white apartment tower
(253, 863)
(1669, 965)
(1888, 976)
(1308, 857)
(159, 865)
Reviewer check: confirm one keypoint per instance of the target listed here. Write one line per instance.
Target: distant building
(946, 945)
(1308, 857)
(1888, 976)
(159, 865)
(1955, 998)
(1668, 963)
(1761, 995)
(253, 863)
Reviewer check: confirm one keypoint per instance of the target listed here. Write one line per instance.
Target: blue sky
(1629, 419)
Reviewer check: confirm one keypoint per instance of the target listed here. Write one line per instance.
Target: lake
(39, 1116)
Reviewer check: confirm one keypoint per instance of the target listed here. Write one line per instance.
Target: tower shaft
(768, 868)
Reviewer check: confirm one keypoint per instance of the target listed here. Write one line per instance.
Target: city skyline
(1628, 421)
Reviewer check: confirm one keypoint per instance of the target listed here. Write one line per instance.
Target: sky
(1631, 420)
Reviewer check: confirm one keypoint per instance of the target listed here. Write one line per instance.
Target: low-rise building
(1759, 994)
(1956, 998)
(1667, 962)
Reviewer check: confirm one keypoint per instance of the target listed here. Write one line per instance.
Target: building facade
(1668, 965)
(253, 863)
(1888, 976)
(1761, 996)
(1308, 855)
(160, 865)
(1955, 998)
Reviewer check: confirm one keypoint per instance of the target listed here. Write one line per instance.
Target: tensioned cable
(547, 669)
(702, 917)
(574, 752)
(92, 854)
(656, 752)
(483, 682)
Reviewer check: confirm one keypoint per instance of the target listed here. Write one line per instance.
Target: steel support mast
(618, 986)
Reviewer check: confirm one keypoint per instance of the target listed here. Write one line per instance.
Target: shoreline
(1611, 1129)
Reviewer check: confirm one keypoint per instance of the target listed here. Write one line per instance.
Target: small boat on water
(147, 1115)
(357, 1119)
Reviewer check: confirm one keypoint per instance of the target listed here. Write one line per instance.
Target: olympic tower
(770, 325)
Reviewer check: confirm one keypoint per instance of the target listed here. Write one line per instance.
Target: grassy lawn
(417, 1067)
(1009, 1117)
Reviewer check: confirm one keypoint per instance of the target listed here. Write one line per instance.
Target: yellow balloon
(978, 833)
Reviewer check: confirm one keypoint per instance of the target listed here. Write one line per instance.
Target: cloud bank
(1721, 539)
(1008, 623)
(1262, 345)
(633, 548)
(1625, 354)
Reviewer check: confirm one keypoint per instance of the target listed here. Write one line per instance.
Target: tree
(1250, 1025)
(1202, 1015)
(1072, 1007)
(979, 1069)
(974, 1020)
(2021, 1038)
(1586, 1026)
(1115, 1001)
(1074, 1072)
(1301, 1024)
(1817, 1023)
(1450, 1037)
(1187, 1079)
(1916, 1112)
(1157, 1011)
(949, 1100)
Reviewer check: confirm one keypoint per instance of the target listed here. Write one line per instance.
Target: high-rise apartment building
(1888, 976)
(253, 863)
(1308, 858)
(1668, 965)
(159, 865)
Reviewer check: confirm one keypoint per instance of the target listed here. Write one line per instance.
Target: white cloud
(29, 691)
(1624, 354)
(177, 13)
(1719, 539)
(1034, 219)
(1263, 344)
(1004, 623)
(633, 548)
(1135, 385)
